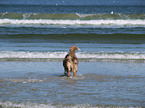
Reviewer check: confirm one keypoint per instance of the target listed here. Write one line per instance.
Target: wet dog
(70, 62)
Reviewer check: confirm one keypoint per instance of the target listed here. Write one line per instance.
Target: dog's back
(70, 61)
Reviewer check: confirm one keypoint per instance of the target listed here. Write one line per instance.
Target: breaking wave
(74, 23)
(57, 56)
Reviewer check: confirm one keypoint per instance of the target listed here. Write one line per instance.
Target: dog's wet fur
(70, 62)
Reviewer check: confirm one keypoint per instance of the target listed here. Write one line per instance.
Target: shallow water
(96, 84)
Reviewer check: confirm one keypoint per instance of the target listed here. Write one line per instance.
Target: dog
(70, 62)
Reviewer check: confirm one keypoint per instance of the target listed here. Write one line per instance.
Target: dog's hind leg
(75, 67)
(68, 71)
(69, 68)
(74, 73)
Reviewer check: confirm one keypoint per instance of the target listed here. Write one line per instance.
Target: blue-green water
(34, 39)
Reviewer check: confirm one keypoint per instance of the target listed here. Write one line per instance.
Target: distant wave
(72, 19)
(69, 16)
(81, 55)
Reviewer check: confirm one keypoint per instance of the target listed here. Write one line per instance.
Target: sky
(75, 2)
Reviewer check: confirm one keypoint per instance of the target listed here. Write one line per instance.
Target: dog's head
(74, 47)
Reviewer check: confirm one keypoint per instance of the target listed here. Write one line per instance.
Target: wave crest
(81, 55)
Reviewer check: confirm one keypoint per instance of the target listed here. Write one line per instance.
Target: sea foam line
(9, 104)
(137, 22)
(80, 55)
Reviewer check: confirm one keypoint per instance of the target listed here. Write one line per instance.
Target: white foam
(114, 55)
(84, 15)
(80, 55)
(10, 104)
(106, 22)
(24, 81)
(11, 54)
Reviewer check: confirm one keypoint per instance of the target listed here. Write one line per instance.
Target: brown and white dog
(70, 62)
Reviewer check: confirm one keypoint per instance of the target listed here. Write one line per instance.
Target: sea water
(34, 39)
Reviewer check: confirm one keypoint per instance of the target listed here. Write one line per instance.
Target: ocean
(34, 39)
